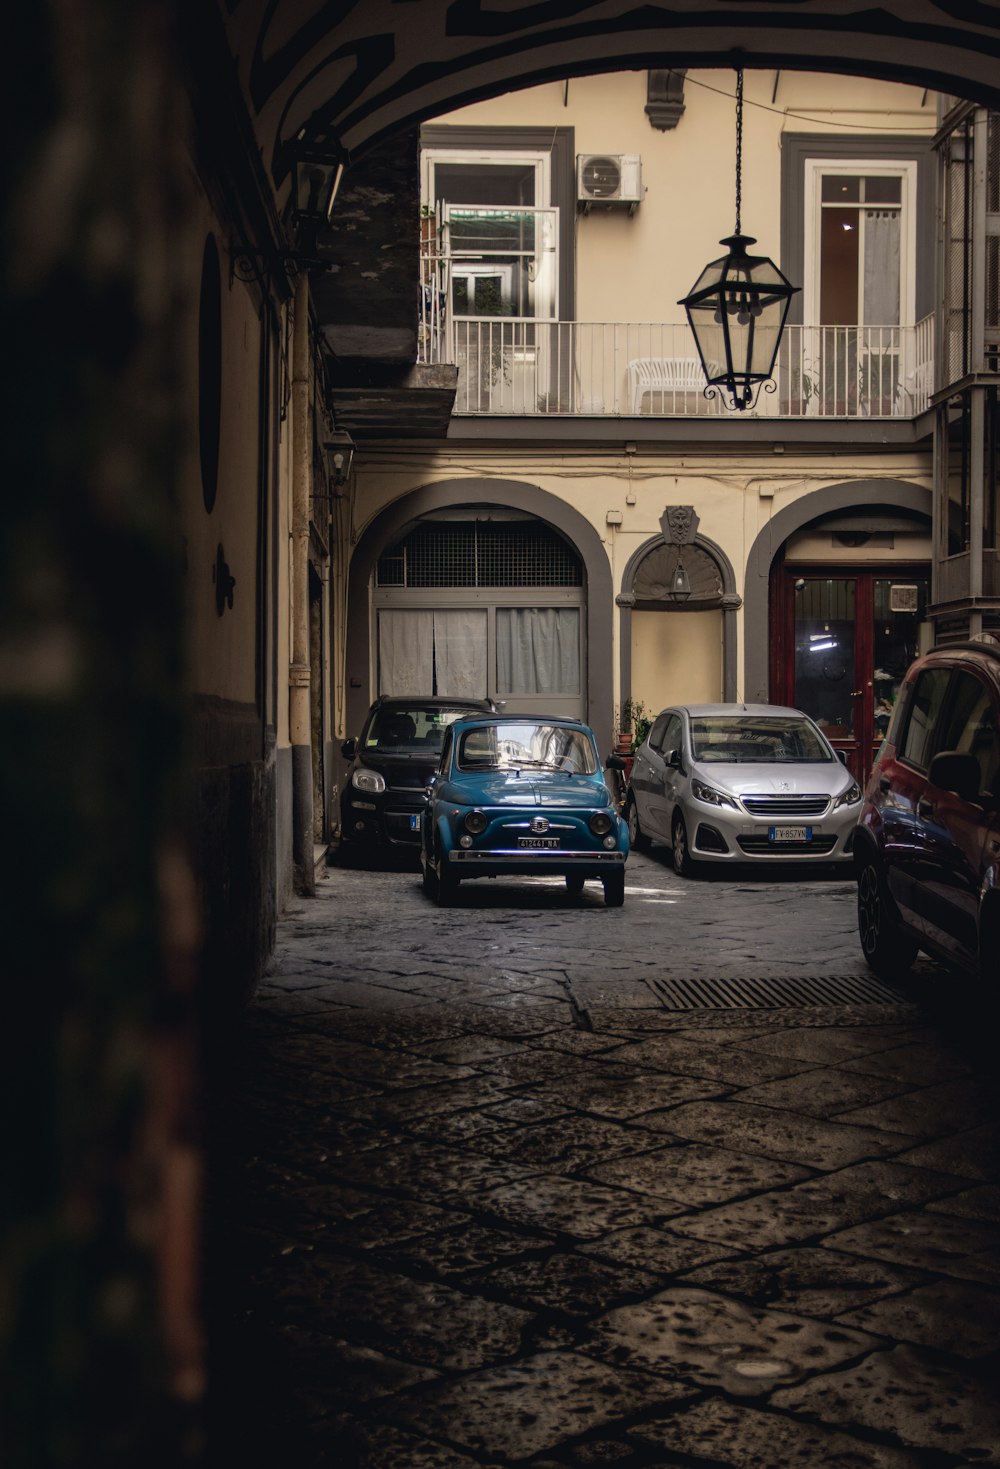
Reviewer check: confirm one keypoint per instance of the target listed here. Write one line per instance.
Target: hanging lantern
(738, 306)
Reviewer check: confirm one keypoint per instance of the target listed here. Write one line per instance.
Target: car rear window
(414, 728)
(741, 739)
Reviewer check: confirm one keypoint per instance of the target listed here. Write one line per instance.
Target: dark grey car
(385, 789)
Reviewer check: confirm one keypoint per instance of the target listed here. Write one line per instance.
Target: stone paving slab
(951, 1246)
(774, 1133)
(810, 1281)
(698, 1336)
(925, 1403)
(524, 1408)
(689, 1172)
(819, 1206)
(951, 1316)
(731, 1436)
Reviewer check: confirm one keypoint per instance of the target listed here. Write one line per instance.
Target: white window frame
(816, 169)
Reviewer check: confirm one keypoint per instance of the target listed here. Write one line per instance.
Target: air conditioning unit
(610, 179)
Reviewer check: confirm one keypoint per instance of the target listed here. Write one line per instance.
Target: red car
(927, 847)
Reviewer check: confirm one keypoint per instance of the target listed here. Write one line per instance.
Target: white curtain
(881, 267)
(460, 654)
(538, 650)
(406, 652)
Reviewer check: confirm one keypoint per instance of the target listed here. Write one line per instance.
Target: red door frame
(860, 753)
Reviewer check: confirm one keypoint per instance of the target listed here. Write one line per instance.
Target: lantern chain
(739, 147)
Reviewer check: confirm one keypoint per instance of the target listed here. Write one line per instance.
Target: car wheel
(888, 950)
(428, 880)
(683, 865)
(614, 888)
(574, 883)
(636, 836)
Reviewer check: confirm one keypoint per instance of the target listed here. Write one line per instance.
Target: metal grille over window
(480, 554)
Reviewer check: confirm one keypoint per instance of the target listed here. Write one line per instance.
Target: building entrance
(841, 641)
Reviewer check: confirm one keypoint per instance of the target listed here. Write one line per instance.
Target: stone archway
(897, 493)
(516, 496)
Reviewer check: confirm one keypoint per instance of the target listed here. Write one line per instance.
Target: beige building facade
(580, 408)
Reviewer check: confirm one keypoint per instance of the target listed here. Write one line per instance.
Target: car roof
(758, 711)
(523, 719)
(428, 701)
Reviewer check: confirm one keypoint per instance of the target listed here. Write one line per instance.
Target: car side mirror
(674, 759)
(349, 749)
(614, 762)
(842, 756)
(953, 771)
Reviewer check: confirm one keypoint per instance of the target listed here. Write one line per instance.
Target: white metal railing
(516, 365)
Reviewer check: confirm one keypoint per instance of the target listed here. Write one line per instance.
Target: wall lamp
(316, 178)
(339, 452)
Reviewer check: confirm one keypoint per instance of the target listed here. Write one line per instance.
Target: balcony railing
(515, 365)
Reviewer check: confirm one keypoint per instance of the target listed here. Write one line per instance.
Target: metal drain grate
(797, 992)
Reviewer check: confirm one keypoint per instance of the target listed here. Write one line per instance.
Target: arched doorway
(517, 583)
(848, 582)
(481, 602)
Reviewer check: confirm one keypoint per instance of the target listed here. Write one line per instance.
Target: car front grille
(785, 805)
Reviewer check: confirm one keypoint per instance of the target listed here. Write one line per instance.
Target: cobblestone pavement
(483, 1198)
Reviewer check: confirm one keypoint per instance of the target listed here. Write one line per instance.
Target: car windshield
(742, 739)
(411, 729)
(526, 746)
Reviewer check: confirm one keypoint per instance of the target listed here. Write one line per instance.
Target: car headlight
(711, 796)
(476, 821)
(367, 780)
(850, 797)
(600, 823)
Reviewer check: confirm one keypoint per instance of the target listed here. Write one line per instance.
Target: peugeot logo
(539, 824)
(783, 785)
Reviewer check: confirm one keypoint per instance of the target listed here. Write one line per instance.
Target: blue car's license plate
(789, 835)
(538, 841)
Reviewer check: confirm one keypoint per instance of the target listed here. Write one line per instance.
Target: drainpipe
(299, 720)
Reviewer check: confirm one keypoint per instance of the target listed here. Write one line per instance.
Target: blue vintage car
(522, 796)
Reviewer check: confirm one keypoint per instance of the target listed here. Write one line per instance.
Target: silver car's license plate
(538, 841)
(780, 835)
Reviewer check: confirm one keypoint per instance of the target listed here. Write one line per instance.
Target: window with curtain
(538, 650)
(433, 652)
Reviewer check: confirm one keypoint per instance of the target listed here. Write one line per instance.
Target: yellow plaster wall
(676, 658)
(636, 269)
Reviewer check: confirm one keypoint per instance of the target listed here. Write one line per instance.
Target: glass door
(843, 646)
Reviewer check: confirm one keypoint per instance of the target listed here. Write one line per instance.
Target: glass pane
(838, 301)
(824, 655)
(508, 230)
(485, 183)
(538, 650)
(838, 188)
(928, 696)
(882, 190)
(894, 642)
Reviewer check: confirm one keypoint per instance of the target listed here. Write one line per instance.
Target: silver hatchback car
(741, 783)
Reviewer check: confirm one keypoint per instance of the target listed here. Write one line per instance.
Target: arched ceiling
(355, 71)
